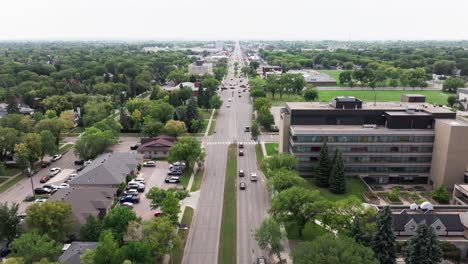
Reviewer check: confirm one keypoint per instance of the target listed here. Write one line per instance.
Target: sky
(238, 19)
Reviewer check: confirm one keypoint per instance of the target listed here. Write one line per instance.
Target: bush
(441, 195)
(310, 94)
(394, 195)
(265, 119)
(450, 252)
(2, 169)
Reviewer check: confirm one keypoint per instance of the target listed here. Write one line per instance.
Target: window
(412, 227)
(438, 227)
(315, 149)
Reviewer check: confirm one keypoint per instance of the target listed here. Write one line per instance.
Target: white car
(229, 100)
(39, 201)
(138, 180)
(132, 192)
(56, 157)
(127, 204)
(86, 163)
(253, 176)
(149, 163)
(54, 171)
(63, 186)
(133, 185)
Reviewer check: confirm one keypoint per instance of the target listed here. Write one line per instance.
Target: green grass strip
(178, 253)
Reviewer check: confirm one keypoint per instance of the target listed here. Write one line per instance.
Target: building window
(438, 227)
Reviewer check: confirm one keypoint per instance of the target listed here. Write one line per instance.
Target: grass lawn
(10, 171)
(184, 180)
(310, 232)
(2, 180)
(259, 152)
(178, 253)
(204, 114)
(12, 182)
(197, 180)
(212, 127)
(227, 240)
(271, 148)
(65, 148)
(354, 187)
(335, 74)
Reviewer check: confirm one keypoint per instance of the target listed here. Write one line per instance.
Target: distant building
(315, 77)
(219, 45)
(157, 147)
(266, 69)
(72, 252)
(200, 68)
(463, 97)
(191, 85)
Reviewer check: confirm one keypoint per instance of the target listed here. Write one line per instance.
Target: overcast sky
(235, 19)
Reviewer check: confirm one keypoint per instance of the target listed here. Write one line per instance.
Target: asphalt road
(203, 240)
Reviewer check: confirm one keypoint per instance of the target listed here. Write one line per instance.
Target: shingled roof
(451, 222)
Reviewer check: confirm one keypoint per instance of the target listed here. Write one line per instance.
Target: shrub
(441, 195)
(394, 195)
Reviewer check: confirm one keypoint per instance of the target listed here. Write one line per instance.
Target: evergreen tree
(337, 178)
(322, 171)
(359, 232)
(424, 248)
(383, 243)
(12, 105)
(191, 113)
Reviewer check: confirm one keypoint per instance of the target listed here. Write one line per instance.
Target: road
(203, 239)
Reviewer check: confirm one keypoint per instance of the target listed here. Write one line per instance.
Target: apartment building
(384, 143)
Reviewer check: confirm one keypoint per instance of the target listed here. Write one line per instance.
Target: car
(241, 145)
(5, 250)
(141, 188)
(86, 163)
(127, 204)
(228, 106)
(132, 185)
(56, 157)
(53, 172)
(129, 198)
(243, 86)
(149, 163)
(229, 100)
(80, 168)
(40, 191)
(180, 188)
(241, 173)
(63, 186)
(253, 176)
(261, 260)
(240, 96)
(157, 214)
(131, 192)
(247, 129)
(138, 180)
(70, 177)
(172, 179)
(242, 185)
(79, 162)
(241, 153)
(45, 164)
(40, 201)
(174, 172)
(135, 147)
(44, 179)
(178, 164)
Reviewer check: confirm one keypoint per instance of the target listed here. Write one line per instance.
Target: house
(194, 86)
(266, 69)
(86, 201)
(107, 170)
(23, 109)
(157, 147)
(406, 223)
(72, 252)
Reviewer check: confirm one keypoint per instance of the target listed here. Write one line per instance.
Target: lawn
(65, 148)
(212, 127)
(2, 180)
(309, 233)
(227, 240)
(185, 178)
(10, 171)
(12, 182)
(259, 152)
(178, 253)
(197, 180)
(335, 74)
(271, 148)
(204, 114)
(354, 187)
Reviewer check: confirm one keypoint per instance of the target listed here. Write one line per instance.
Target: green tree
(94, 142)
(262, 105)
(452, 84)
(297, 204)
(175, 128)
(279, 161)
(10, 137)
(265, 119)
(12, 105)
(58, 103)
(29, 150)
(47, 143)
(310, 94)
(107, 249)
(50, 218)
(9, 227)
(187, 149)
(322, 171)
(152, 128)
(450, 251)
(283, 178)
(441, 195)
(54, 125)
(136, 252)
(170, 207)
(216, 102)
(424, 247)
(444, 67)
(91, 230)
(329, 249)
(337, 182)
(383, 242)
(117, 220)
(269, 237)
(254, 130)
(33, 247)
(345, 77)
(451, 100)
(359, 232)
(159, 233)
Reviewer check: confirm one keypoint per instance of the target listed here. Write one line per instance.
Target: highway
(252, 203)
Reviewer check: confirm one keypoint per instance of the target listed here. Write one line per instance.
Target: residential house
(72, 252)
(23, 109)
(406, 223)
(157, 147)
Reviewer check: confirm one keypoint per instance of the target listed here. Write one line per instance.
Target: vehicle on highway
(240, 96)
(54, 171)
(56, 157)
(42, 200)
(39, 191)
(229, 100)
(149, 163)
(44, 179)
(241, 153)
(261, 260)
(247, 129)
(242, 185)
(129, 199)
(127, 204)
(79, 162)
(241, 145)
(172, 179)
(243, 86)
(135, 147)
(241, 173)
(253, 176)
(228, 106)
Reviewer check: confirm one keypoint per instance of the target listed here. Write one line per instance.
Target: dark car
(79, 162)
(80, 168)
(4, 251)
(242, 185)
(247, 129)
(129, 199)
(45, 164)
(241, 145)
(135, 147)
(241, 153)
(39, 191)
(241, 173)
(44, 179)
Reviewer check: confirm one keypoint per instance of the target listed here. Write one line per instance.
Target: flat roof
(453, 122)
(354, 129)
(426, 107)
(405, 113)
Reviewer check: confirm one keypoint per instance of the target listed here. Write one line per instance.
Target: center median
(227, 240)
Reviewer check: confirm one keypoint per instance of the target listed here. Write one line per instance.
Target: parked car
(247, 129)
(174, 172)
(253, 176)
(44, 179)
(54, 171)
(261, 260)
(86, 163)
(40, 191)
(127, 204)
(5, 250)
(70, 177)
(135, 147)
(241, 153)
(39, 201)
(149, 163)
(129, 199)
(79, 162)
(180, 188)
(63, 186)
(80, 168)
(139, 180)
(131, 192)
(157, 214)
(56, 157)
(45, 164)
(172, 179)
(241, 173)
(132, 185)
(242, 185)
(141, 187)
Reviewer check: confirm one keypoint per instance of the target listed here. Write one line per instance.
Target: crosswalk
(230, 142)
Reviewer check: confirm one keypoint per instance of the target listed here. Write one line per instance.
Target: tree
(152, 128)
(359, 232)
(329, 249)
(58, 103)
(68, 119)
(441, 195)
(187, 149)
(94, 142)
(265, 119)
(50, 218)
(136, 252)
(47, 143)
(269, 237)
(54, 125)
(117, 220)
(33, 247)
(159, 233)
(383, 242)
(345, 77)
(272, 84)
(9, 227)
(310, 94)
(170, 207)
(283, 178)
(297, 204)
(451, 100)
(450, 251)
(452, 84)
(254, 130)
(107, 249)
(262, 104)
(254, 65)
(424, 247)
(95, 111)
(12, 105)
(91, 230)
(322, 171)
(136, 119)
(10, 137)
(337, 182)
(29, 150)
(279, 161)
(175, 128)
(444, 67)
(216, 102)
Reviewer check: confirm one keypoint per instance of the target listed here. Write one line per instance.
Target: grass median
(227, 240)
(6, 185)
(178, 253)
(197, 180)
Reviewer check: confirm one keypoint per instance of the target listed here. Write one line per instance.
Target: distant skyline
(240, 19)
